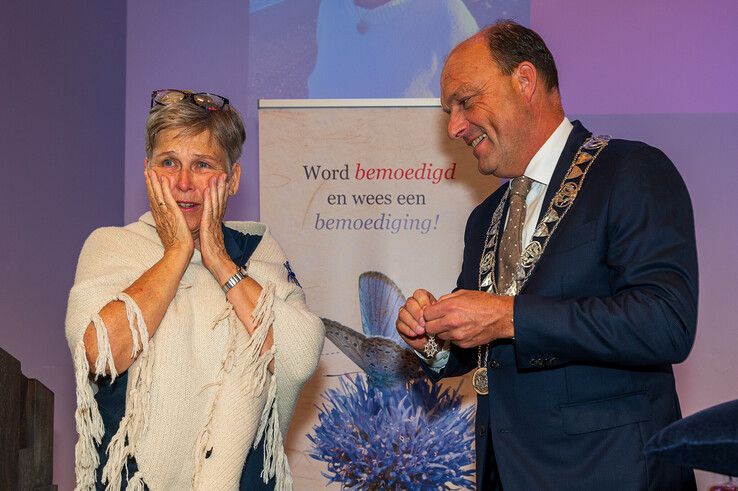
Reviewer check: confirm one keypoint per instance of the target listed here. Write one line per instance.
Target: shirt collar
(543, 163)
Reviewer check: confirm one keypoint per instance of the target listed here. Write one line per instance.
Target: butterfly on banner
(379, 350)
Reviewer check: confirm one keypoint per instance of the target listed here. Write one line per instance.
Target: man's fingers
(404, 330)
(410, 321)
(413, 340)
(440, 327)
(450, 295)
(423, 297)
(415, 309)
(462, 338)
(436, 310)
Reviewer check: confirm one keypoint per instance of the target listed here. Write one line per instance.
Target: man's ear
(234, 180)
(146, 164)
(526, 77)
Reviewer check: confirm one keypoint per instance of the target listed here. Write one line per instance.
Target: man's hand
(170, 222)
(212, 245)
(470, 318)
(410, 322)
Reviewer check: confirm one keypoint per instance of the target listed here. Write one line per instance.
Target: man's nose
(457, 125)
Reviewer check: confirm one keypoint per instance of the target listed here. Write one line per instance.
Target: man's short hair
(225, 126)
(511, 44)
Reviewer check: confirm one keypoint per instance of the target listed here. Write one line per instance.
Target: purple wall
(636, 57)
(62, 73)
(186, 44)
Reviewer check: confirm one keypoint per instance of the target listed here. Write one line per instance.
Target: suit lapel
(577, 136)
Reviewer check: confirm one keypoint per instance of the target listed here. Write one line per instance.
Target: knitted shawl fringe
(255, 376)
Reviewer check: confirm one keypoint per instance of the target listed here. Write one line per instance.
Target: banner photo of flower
(369, 199)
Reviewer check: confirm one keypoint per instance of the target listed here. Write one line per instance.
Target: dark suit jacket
(611, 305)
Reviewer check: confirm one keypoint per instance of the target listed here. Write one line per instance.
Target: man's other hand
(470, 318)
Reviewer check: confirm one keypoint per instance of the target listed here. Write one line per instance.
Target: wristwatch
(233, 280)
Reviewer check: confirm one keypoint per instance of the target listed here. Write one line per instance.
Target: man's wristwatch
(233, 280)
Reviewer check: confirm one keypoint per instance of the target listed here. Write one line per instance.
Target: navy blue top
(111, 398)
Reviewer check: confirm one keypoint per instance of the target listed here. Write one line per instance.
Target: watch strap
(241, 273)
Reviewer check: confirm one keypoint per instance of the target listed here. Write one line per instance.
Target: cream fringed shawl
(199, 394)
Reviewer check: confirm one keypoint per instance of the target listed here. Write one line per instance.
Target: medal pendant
(479, 381)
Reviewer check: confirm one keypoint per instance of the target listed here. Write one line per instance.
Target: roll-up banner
(369, 199)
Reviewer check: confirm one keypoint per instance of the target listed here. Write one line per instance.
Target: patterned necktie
(510, 243)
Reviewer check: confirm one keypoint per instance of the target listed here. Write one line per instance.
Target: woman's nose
(184, 180)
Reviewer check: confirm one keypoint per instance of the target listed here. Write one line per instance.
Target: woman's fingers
(212, 246)
(156, 187)
(209, 219)
(156, 198)
(207, 206)
(209, 210)
(222, 191)
(151, 178)
(214, 199)
(166, 193)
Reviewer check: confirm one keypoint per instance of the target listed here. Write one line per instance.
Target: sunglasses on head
(211, 102)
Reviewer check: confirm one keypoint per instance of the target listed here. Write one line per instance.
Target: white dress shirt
(539, 169)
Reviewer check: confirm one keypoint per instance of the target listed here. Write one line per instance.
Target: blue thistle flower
(414, 436)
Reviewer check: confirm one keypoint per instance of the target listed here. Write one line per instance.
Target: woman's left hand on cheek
(212, 246)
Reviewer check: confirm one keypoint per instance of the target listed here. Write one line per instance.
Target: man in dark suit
(578, 289)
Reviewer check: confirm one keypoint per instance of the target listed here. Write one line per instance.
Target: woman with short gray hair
(190, 337)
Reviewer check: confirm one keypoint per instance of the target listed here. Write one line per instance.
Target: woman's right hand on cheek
(170, 222)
